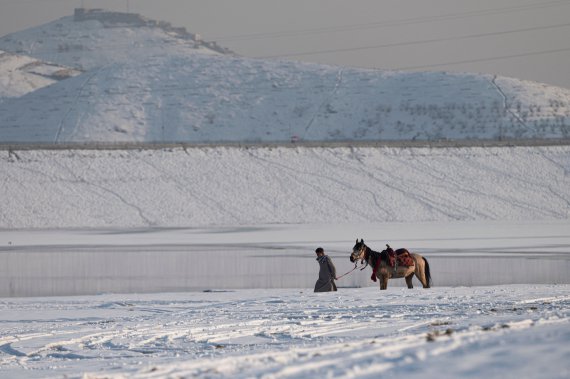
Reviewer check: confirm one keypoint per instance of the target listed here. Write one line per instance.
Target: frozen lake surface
(94, 261)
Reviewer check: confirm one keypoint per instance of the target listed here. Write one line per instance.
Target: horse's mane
(373, 256)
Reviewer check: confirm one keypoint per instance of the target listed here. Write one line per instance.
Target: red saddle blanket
(402, 256)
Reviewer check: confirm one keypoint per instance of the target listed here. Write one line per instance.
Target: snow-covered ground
(510, 331)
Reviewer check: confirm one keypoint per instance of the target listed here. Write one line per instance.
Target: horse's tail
(427, 272)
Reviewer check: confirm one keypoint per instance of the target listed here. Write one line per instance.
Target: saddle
(399, 257)
(394, 259)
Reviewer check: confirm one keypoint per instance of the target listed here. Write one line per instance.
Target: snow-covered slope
(251, 186)
(20, 74)
(145, 82)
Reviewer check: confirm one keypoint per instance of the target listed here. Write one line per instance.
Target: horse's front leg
(409, 280)
(383, 282)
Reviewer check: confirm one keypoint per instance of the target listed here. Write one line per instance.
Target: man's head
(320, 252)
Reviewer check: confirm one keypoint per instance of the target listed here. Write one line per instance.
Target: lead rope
(354, 268)
(345, 274)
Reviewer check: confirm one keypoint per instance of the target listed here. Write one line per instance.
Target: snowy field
(509, 331)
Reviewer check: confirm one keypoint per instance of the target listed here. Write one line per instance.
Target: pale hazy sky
(526, 39)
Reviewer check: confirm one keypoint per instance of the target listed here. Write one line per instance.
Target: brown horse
(383, 271)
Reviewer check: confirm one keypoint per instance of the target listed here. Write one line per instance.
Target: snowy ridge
(98, 38)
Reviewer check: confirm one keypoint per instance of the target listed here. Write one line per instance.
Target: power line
(418, 42)
(485, 59)
(401, 22)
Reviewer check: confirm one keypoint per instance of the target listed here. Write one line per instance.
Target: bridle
(361, 256)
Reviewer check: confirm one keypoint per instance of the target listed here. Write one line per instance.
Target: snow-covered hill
(145, 82)
(200, 98)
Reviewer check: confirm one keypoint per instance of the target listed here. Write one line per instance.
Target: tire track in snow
(278, 334)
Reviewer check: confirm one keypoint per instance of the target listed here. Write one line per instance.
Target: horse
(383, 271)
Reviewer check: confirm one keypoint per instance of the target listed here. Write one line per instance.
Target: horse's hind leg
(420, 274)
(409, 280)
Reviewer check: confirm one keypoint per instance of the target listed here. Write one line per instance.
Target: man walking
(327, 272)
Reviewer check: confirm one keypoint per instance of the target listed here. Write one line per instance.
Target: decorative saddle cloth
(401, 256)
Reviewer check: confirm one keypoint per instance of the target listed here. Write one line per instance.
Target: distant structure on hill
(110, 19)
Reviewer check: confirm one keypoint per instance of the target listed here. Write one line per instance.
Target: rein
(354, 268)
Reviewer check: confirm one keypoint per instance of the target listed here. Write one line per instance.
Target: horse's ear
(357, 240)
(361, 240)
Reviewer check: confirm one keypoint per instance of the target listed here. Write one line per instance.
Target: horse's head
(358, 251)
